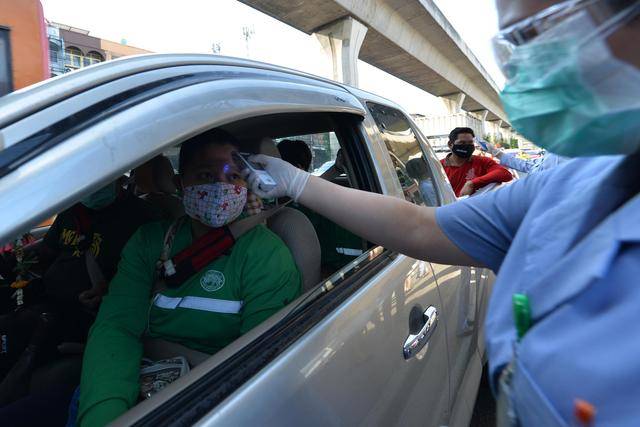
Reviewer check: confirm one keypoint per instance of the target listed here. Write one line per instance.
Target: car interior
(321, 249)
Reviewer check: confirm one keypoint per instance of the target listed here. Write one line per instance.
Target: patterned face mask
(214, 204)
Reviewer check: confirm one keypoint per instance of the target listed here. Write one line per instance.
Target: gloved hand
(488, 147)
(254, 204)
(290, 181)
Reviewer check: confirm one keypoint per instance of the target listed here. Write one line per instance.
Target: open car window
(345, 258)
(409, 160)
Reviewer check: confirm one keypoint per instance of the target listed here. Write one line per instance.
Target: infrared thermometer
(265, 182)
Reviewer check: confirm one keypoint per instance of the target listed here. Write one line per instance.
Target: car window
(6, 84)
(346, 259)
(324, 149)
(338, 246)
(407, 156)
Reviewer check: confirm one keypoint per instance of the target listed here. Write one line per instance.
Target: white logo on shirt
(212, 281)
(470, 174)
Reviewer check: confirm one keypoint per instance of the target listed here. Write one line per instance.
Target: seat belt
(95, 272)
(172, 272)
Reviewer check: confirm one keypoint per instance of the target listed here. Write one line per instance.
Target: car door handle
(415, 342)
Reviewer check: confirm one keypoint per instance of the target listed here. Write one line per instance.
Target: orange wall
(29, 45)
(117, 50)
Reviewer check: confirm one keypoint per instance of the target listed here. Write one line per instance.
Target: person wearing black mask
(466, 172)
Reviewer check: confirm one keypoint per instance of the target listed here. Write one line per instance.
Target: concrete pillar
(482, 116)
(496, 129)
(453, 102)
(342, 41)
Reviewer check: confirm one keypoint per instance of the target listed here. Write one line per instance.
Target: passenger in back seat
(98, 226)
(211, 307)
(296, 152)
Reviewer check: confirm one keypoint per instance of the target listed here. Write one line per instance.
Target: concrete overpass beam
(453, 102)
(342, 41)
(482, 115)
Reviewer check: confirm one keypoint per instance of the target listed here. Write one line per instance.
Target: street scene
(319, 213)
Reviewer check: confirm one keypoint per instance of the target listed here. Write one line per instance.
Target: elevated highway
(410, 39)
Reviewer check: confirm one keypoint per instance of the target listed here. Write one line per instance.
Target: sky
(196, 25)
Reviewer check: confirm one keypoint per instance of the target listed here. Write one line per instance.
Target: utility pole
(247, 33)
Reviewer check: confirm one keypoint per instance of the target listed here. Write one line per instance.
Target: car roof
(24, 102)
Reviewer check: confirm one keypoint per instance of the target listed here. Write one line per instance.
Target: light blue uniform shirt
(547, 161)
(568, 238)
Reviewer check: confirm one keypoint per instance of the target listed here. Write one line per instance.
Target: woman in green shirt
(213, 307)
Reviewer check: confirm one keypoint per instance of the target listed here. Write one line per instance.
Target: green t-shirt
(214, 307)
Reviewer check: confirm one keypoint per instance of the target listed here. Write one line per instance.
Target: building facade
(72, 48)
(23, 47)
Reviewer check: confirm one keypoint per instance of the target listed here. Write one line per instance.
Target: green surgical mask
(568, 93)
(101, 198)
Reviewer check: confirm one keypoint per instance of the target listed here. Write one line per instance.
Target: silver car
(382, 339)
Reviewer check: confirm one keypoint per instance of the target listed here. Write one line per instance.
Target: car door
(417, 166)
(361, 364)
(465, 293)
(357, 349)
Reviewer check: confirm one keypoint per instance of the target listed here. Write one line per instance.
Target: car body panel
(350, 369)
(26, 101)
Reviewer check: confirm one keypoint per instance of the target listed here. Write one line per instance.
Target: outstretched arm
(510, 161)
(387, 221)
(495, 173)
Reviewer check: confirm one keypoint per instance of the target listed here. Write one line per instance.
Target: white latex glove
(488, 147)
(290, 181)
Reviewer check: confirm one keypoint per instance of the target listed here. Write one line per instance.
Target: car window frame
(421, 143)
(6, 59)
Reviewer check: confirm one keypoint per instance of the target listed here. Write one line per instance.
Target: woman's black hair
(190, 147)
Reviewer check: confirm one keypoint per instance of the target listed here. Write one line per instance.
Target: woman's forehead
(214, 155)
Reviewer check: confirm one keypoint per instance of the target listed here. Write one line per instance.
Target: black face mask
(463, 150)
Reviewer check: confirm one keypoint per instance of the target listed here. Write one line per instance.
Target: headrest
(163, 175)
(155, 176)
(268, 146)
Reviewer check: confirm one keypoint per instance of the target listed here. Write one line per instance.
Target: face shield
(565, 90)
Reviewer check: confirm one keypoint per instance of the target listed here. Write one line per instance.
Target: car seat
(296, 231)
(154, 181)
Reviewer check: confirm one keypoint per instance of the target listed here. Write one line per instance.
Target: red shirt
(479, 170)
